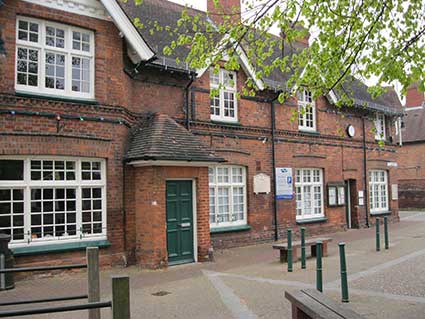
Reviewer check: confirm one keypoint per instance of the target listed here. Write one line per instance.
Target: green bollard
(289, 250)
(319, 279)
(343, 266)
(378, 237)
(303, 248)
(387, 242)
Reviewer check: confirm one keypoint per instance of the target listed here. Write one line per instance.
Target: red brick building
(105, 142)
(412, 154)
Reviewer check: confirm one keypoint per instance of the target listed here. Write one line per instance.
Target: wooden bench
(311, 304)
(283, 248)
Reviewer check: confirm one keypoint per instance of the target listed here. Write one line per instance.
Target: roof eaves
(376, 107)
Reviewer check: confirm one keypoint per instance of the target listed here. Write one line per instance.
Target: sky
(197, 4)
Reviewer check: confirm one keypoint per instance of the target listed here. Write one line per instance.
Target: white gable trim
(128, 29)
(90, 8)
(249, 69)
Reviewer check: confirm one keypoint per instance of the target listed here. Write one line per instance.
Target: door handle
(184, 225)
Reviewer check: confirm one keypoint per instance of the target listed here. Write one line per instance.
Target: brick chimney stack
(414, 97)
(226, 7)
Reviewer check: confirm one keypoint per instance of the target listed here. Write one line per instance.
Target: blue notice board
(284, 183)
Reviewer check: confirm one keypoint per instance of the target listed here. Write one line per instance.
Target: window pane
(92, 210)
(228, 196)
(80, 74)
(11, 170)
(309, 192)
(55, 71)
(27, 67)
(12, 213)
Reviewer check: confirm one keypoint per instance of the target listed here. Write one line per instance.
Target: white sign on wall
(261, 183)
(394, 191)
(284, 183)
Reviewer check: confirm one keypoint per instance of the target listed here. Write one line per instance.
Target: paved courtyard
(249, 282)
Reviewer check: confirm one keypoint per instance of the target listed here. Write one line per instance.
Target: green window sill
(225, 123)
(388, 212)
(229, 229)
(312, 220)
(58, 248)
(56, 98)
(308, 132)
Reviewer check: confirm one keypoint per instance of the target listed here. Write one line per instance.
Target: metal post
(2, 275)
(303, 266)
(289, 250)
(343, 266)
(319, 279)
(387, 241)
(120, 297)
(93, 279)
(378, 237)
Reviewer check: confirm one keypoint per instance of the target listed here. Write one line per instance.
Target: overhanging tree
(376, 39)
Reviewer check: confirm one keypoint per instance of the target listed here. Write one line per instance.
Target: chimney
(414, 97)
(231, 8)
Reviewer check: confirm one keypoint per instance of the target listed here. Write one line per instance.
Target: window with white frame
(54, 58)
(309, 192)
(223, 106)
(380, 127)
(45, 199)
(227, 192)
(378, 191)
(306, 111)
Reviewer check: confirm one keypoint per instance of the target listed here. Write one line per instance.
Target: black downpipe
(124, 216)
(366, 192)
(273, 122)
(186, 100)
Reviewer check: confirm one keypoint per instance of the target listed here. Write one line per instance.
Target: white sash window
(54, 59)
(309, 192)
(227, 193)
(52, 199)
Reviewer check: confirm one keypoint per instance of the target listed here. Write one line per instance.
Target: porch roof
(159, 138)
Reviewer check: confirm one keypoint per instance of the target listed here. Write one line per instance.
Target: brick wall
(414, 97)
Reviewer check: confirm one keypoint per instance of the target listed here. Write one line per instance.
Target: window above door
(223, 104)
(306, 111)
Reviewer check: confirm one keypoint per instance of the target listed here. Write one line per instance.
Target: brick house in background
(105, 142)
(412, 153)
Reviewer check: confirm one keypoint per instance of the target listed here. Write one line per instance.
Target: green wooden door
(179, 222)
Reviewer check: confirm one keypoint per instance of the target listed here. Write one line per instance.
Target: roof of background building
(166, 13)
(388, 102)
(160, 138)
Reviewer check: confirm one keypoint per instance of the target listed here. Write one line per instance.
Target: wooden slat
(310, 306)
(309, 242)
(331, 304)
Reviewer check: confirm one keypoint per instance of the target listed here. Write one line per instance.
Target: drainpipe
(366, 192)
(186, 98)
(124, 216)
(273, 123)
